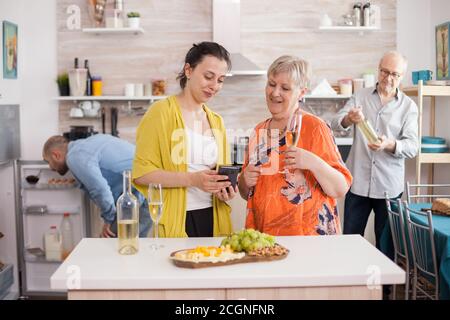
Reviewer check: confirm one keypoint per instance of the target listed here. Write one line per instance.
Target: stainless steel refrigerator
(9, 153)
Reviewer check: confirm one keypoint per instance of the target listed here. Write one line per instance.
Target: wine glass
(293, 128)
(155, 205)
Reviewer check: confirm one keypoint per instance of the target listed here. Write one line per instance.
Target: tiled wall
(269, 29)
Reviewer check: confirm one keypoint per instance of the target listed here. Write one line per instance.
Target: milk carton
(53, 244)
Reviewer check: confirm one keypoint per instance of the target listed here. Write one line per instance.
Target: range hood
(227, 32)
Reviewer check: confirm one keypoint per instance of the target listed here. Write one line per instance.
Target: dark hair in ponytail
(196, 54)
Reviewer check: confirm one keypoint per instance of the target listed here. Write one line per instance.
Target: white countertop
(313, 261)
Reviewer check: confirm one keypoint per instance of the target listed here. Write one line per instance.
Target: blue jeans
(145, 222)
(357, 211)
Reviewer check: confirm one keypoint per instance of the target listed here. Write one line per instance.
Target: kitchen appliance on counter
(77, 82)
(79, 132)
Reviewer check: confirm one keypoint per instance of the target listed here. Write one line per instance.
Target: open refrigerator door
(41, 205)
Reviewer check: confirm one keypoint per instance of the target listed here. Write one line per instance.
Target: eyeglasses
(386, 73)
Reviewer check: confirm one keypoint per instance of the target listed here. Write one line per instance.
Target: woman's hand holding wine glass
(293, 129)
(298, 158)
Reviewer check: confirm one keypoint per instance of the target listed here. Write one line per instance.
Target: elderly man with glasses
(378, 167)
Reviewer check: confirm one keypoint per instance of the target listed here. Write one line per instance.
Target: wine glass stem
(156, 229)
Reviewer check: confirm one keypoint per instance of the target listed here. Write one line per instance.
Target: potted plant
(63, 84)
(133, 19)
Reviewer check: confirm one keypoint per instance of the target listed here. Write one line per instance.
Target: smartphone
(232, 173)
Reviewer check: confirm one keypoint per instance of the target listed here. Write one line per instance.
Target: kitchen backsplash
(267, 31)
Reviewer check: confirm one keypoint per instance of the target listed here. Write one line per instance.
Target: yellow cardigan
(161, 145)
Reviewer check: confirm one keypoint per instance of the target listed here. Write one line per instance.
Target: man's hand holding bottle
(354, 116)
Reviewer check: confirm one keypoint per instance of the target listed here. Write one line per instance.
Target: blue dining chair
(421, 239)
(398, 233)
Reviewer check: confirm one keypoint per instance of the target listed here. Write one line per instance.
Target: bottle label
(369, 133)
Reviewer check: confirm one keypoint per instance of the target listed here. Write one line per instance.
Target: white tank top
(202, 155)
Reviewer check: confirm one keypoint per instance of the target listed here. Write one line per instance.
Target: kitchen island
(317, 267)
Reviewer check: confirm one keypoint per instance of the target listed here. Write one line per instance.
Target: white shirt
(202, 155)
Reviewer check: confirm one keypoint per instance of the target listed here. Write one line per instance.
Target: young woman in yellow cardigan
(180, 141)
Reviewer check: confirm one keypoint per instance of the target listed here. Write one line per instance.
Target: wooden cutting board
(245, 259)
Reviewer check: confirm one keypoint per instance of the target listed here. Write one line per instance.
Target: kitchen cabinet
(40, 206)
(328, 267)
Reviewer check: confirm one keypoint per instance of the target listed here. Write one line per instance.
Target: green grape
(252, 247)
(265, 243)
(245, 243)
(248, 240)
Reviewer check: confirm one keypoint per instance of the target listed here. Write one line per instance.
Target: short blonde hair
(298, 69)
(55, 142)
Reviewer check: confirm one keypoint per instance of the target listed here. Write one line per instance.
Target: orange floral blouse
(292, 202)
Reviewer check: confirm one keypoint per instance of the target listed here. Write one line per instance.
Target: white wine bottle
(88, 79)
(128, 218)
(367, 130)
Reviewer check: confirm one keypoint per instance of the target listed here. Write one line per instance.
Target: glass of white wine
(155, 206)
(293, 128)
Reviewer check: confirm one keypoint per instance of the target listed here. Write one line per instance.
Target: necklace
(280, 132)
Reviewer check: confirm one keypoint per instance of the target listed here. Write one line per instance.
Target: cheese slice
(208, 254)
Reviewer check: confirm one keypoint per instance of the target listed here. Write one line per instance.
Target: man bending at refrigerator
(97, 163)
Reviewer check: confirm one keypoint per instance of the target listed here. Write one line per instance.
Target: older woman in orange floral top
(292, 191)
